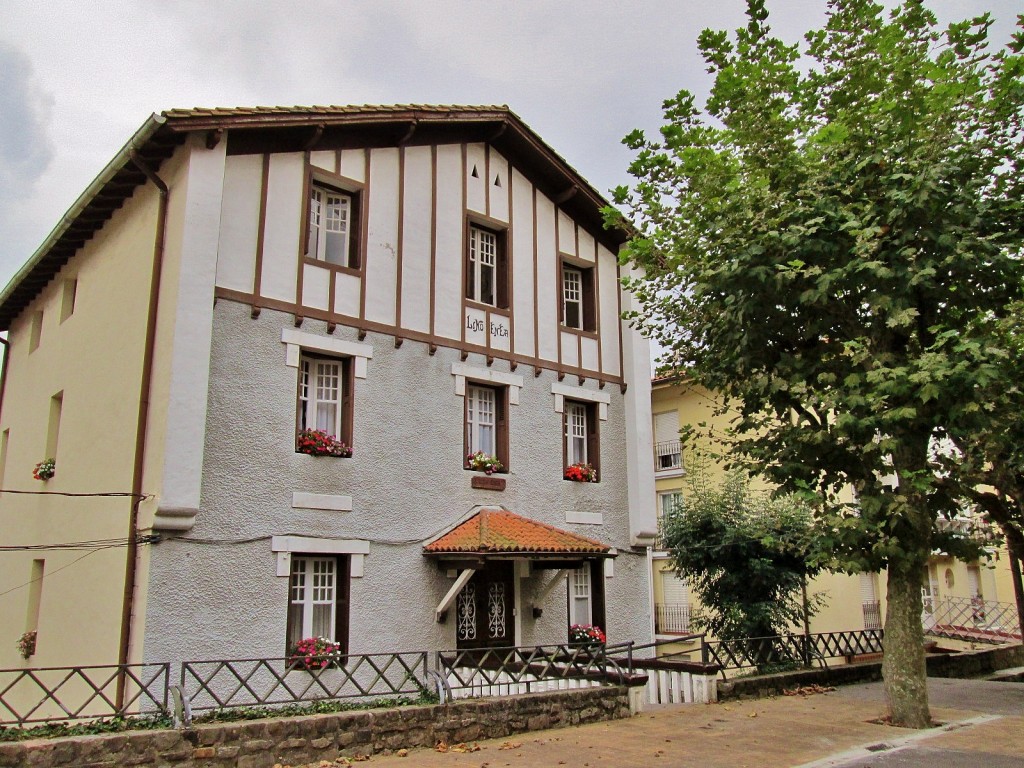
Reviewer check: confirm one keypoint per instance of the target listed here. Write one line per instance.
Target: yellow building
(974, 598)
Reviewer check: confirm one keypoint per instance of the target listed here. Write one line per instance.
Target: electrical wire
(51, 573)
(105, 494)
(79, 545)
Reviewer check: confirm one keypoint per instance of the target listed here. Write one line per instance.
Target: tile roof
(333, 109)
(494, 530)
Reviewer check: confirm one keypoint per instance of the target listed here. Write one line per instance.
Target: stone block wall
(296, 740)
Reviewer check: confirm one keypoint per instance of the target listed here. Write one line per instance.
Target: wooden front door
(484, 608)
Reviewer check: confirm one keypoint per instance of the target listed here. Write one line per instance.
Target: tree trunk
(1015, 548)
(903, 667)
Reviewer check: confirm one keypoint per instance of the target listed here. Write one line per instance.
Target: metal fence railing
(973, 619)
(507, 671)
(228, 683)
(60, 694)
(767, 653)
(671, 619)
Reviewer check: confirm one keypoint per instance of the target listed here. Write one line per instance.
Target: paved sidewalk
(830, 729)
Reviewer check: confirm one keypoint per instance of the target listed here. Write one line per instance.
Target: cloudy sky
(78, 77)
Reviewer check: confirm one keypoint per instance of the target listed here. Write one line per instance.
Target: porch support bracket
(442, 608)
(543, 596)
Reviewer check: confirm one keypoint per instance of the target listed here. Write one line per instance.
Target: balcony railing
(872, 615)
(972, 619)
(668, 454)
(671, 619)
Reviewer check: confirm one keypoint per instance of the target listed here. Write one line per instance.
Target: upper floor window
(486, 427)
(325, 396)
(581, 434)
(486, 267)
(576, 433)
(35, 331)
(67, 304)
(332, 236)
(578, 301)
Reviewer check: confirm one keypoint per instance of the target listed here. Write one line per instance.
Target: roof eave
(138, 139)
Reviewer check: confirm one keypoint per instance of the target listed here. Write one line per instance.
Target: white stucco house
(422, 283)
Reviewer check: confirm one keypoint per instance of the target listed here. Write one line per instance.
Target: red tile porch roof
(500, 531)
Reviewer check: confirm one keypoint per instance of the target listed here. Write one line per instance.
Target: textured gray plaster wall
(210, 600)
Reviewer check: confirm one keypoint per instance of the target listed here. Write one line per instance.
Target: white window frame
(663, 499)
(330, 214)
(312, 593)
(481, 414)
(572, 296)
(576, 433)
(313, 392)
(483, 258)
(581, 589)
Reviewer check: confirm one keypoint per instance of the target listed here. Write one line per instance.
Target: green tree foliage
(817, 241)
(986, 464)
(745, 555)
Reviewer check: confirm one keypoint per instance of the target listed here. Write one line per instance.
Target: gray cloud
(582, 73)
(25, 146)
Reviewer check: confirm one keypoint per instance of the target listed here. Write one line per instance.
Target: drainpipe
(131, 559)
(3, 373)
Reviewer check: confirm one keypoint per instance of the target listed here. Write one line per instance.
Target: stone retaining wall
(296, 740)
(965, 664)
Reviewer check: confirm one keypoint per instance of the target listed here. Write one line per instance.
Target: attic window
(474, 174)
(497, 180)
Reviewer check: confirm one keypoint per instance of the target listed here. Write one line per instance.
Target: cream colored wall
(842, 610)
(95, 358)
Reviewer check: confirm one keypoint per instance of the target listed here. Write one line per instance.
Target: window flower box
(586, 636)
(313, 654)
(317, 442)
(483, 462)
(27, 645)
(45, 469)
(580, 473)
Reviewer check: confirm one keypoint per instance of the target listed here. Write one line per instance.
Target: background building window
(486, 267)
(318, 599)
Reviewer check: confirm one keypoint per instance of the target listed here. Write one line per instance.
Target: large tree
(816, 240)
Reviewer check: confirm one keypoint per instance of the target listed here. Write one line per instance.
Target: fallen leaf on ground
(402, 753)
(807, 690)
(510, 745)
